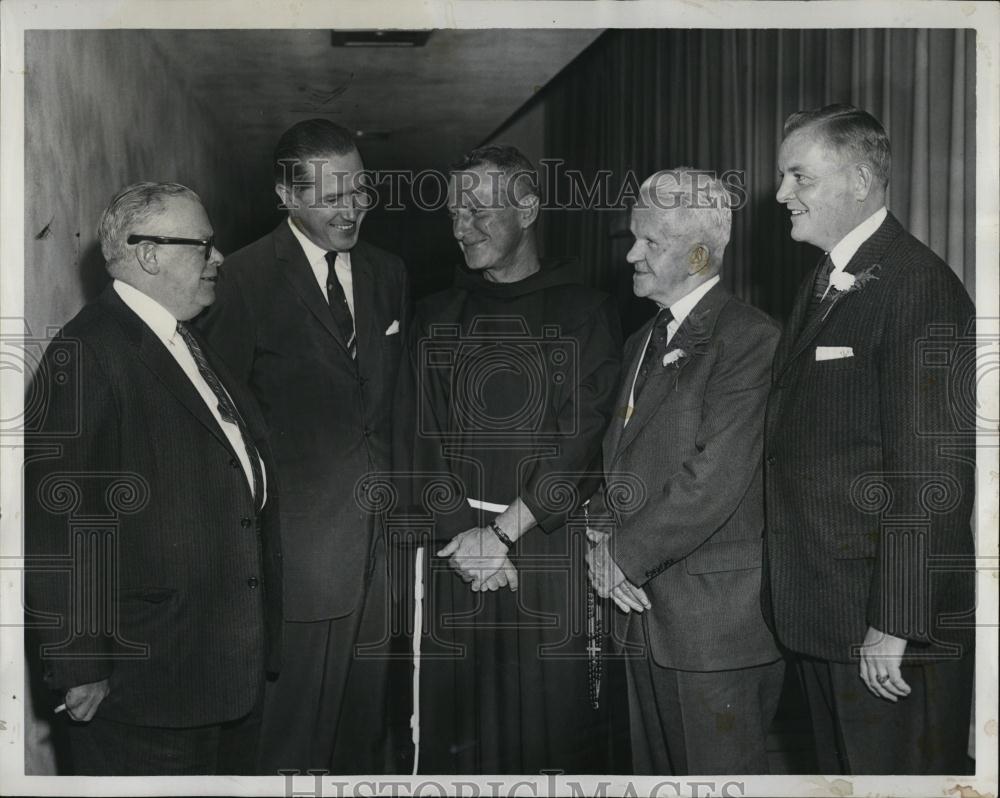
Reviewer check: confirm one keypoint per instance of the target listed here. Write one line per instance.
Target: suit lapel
(365, 322)
(296, 269)
(869, 254)
(633, 352)
(695, 331)
(161, 363)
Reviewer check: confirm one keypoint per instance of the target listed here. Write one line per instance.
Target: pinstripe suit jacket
(869, 459)
(683, 487)
(144, 555)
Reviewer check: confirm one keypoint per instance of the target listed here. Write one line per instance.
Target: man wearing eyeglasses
(151, 528)
(309, 317)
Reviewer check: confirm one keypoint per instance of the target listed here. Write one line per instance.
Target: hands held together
(479, 557)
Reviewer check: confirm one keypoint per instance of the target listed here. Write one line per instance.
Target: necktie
(820, 287)
(655, 350)
(339, 308)
(227, 410)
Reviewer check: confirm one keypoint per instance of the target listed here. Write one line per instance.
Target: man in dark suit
(869, 473)
(151, 513)
(683, 500)
(309, 318)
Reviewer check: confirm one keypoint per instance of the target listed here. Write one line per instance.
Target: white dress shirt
(680, 310)
(845, 249)
(317, 262)
(164, 326)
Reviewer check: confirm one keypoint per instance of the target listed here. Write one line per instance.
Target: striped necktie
(339, 308)
(227, 410)
(820, 289)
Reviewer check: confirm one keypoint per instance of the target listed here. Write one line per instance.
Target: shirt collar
(313, 253)
(160, 320)
(683, 306)
(845, 249)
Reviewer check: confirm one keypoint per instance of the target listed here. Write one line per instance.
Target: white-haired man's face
(663, 255)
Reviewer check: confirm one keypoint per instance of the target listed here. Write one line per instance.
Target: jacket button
(771, 459)
(245, 523)
(368, 432)
(234, 462)
(253, 581)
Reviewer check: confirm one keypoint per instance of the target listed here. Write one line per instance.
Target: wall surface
(104, 109)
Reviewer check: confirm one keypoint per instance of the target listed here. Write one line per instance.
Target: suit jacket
(683, 487)
(329, 416)
(148, 567)
(869, 459)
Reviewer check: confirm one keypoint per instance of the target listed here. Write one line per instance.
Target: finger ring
(882, 679)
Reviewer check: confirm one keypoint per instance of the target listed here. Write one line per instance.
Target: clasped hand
(480, 558)
(607, 578)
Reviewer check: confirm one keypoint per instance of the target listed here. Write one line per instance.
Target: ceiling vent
(380, 38)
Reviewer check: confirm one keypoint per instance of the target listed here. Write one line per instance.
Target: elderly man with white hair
(677, 528)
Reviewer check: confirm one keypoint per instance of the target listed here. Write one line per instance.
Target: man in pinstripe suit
(869, 469)
(151, 514)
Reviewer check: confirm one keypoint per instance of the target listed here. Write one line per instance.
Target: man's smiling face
(818, 188)
(485, 220)
(330, 211)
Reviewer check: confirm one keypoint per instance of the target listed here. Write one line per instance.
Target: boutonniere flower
(845, 283)
(673, 358)
(842, 281)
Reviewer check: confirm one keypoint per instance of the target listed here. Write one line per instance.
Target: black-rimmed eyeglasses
(207, 243)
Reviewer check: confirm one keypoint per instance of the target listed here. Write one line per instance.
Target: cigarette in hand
(60, 708)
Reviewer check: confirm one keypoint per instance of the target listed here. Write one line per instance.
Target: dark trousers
(327, 708)
(108, 748)
(693, 723)
(858, 734)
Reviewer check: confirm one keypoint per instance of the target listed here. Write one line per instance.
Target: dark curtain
(641, 100)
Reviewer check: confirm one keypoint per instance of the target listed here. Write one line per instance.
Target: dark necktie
(339, 308)
(227, 410)
(655, 350)
(820, 287)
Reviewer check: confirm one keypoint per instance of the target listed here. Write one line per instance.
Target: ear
(145, 256)
(864, 179)
(698, 259)
(285, 194)
(527, 211)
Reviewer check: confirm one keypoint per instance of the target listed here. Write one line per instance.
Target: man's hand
(607, 578)
(881, 655)
(83, 700)
(480, 559)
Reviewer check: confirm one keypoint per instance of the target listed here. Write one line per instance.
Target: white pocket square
(393, 328)
(833, 352)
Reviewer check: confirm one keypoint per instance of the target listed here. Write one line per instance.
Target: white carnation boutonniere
(843, 283)
(674, 358)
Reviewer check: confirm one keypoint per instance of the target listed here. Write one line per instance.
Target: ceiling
(421, 107)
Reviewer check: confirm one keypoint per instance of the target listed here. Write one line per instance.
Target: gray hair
(848, 130)
(518, 171)
(133, 204)
(697, 199)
